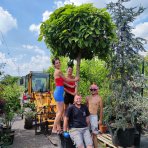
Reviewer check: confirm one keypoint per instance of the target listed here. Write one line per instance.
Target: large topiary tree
(78, 32)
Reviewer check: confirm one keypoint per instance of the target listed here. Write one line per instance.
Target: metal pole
(143, 76)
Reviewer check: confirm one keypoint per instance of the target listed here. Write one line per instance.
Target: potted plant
(7, 134)
(127, 101)
(10, 93)
(29, 116)
(103, 128)
(30, 105)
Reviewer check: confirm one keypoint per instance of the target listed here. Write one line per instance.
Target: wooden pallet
(106, 139)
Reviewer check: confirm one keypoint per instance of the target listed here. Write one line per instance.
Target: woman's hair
(55, 59)
(70, 64)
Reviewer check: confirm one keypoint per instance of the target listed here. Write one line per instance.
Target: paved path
(27, 138)
(144, 141)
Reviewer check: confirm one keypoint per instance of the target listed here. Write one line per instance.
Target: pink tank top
(69, 88)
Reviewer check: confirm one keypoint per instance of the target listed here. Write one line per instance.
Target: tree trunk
(78, 68)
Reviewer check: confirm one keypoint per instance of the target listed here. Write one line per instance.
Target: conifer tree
(127, 80)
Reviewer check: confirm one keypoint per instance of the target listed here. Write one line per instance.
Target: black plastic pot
(28, 123)
(10, 138)
(66, 142)
(137, 136)
(124, 138)
(7, 130)
(7, 138)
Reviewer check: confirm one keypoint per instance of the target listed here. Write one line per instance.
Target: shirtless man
(94, 102)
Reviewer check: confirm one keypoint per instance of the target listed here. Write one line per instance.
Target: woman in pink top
(69, 88)
(58, 93)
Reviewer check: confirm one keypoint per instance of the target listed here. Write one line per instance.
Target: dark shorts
(68, 98)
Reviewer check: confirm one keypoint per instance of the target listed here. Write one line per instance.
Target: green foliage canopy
(78, 31)
(94, 71)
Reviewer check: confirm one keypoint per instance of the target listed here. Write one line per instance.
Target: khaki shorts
(81, 135)
(94, 124)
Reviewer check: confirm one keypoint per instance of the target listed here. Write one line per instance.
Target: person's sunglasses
(93, 89)
(79, 98)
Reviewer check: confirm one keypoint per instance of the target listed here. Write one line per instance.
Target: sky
(19, 29)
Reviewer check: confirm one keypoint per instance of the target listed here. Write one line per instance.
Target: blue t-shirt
(77, 116)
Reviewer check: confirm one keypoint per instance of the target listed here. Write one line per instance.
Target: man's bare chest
(94, 102)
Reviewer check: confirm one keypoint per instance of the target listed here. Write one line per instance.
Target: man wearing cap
(94, 102)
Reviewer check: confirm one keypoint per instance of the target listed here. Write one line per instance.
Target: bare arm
(87, 103)
(68, 79)
(65, 127)
(68, 85)
(69, 92)
(101, 111)
(58, 74)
